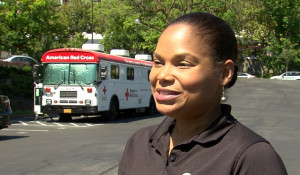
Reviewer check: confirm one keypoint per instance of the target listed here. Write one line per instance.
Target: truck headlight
(87, 102)
(48, 101)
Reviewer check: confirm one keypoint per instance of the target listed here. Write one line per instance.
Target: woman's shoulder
(260, 158)
(255, 154)
(243, 134)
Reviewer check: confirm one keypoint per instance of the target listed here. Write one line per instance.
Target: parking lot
(272, 109)
(89, 146)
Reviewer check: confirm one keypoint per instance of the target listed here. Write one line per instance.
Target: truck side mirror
(103, 73)
(36, 73)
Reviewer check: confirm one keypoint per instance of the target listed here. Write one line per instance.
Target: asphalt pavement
(90, 146)
(272, 109)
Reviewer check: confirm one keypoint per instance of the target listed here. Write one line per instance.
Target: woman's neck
(186, 128)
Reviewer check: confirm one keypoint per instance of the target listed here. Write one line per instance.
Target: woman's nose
(165, 74)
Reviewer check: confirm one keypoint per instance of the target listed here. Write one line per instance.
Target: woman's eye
(157, 63)
(184, 64)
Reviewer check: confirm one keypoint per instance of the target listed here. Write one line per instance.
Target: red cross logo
(104, 90)
(127, 94)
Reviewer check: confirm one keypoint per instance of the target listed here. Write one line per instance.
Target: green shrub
(17, 84)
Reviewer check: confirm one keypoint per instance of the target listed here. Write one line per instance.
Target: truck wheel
(113, 112)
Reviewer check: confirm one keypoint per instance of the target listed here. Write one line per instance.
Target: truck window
(130, 73)
(70, 74)
(114, 72)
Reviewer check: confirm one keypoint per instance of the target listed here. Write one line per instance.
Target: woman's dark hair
(216, 33)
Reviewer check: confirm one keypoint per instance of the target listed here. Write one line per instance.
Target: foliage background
(16, 81)
(35, 26)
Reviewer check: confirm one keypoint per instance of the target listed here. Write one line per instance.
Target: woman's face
(185, 80)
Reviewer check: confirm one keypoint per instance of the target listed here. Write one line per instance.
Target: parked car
(290, 75)
(245, 75)
(5, 112)
(250, 58)
(21, 58)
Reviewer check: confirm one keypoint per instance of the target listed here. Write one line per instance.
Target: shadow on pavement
(3, 138)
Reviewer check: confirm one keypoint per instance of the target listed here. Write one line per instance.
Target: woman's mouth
(165, 94)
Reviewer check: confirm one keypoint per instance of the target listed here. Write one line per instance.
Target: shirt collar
(212, 134)
(218, 128)
(163, 129)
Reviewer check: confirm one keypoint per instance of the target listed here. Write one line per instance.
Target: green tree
(30, 26)
(113, 20)
(283, 54)
(34, 27)
(76, 41)
(119, 28)
(76, 15)
(283, 19)
(263, 23)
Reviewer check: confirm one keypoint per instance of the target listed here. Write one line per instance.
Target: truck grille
(68, 94)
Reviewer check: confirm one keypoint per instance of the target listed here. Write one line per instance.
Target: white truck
(83, 82)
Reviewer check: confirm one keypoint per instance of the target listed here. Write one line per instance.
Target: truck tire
(113, 112)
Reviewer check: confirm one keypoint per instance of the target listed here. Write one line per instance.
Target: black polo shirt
(225, 148)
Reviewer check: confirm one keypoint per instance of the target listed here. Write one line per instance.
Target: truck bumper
(74, 110)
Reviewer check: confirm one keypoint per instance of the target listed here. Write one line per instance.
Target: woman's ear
(228, 71)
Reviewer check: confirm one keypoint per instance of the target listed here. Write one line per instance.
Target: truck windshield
(70, 74)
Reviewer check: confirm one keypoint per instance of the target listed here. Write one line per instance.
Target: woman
(194, 61)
